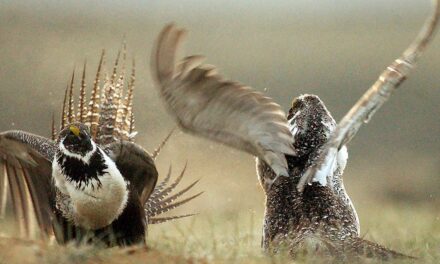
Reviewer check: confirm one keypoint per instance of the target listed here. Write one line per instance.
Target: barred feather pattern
(71, 106)
(120, 112)
(64, 109)
(109, 112)
(132, 130)
(82, 108)
(114, 112)
(161, 200)
(95, 100)
(119, 95)
(127, 106)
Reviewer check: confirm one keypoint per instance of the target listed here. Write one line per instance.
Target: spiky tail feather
(71, 102)
(109, 116)
(162, 144)
(159, 220)
(161, 201)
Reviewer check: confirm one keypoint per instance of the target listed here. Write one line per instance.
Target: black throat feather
(81, 173)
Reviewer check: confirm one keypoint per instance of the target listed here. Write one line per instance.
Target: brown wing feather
(227, 112)
(16, 199)
(23, 193)
(25, 173)
(390, 79)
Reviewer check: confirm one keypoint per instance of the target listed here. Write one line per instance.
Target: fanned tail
(161, 201)
(116, 110)
(109, 110)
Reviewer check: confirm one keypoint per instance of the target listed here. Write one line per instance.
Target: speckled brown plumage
(206, 104)
(323, 214)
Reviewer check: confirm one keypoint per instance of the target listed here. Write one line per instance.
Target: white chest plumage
(92, 207)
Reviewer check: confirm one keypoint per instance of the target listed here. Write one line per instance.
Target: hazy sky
(335, 49)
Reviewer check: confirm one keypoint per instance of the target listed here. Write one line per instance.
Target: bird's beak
(74, 130)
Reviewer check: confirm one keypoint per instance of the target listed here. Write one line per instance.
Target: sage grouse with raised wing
(300, 157)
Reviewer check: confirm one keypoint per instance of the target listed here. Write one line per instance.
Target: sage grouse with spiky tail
(287, 148)
(90, 183)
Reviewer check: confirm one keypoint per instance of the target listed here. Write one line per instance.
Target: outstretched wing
(228, 112)
(371, 101)
(25, 178)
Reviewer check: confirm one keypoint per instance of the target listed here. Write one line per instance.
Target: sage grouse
(205, 104)
(90, 182)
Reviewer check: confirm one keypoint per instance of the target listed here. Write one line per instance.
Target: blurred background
(335, 49)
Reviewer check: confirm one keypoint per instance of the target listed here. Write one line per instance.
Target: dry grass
(22, 251)
(234, 237)
(395, 158)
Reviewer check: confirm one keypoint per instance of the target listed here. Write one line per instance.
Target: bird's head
(310, 123)
(75, 140)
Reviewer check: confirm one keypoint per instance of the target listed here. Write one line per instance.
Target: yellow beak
(74, 130)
